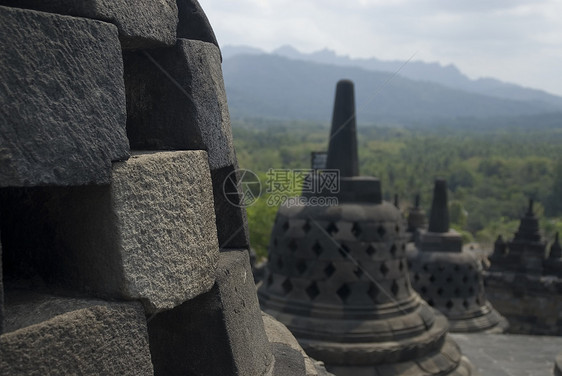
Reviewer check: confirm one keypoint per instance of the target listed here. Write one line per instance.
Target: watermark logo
(242, 188)
(289, 187)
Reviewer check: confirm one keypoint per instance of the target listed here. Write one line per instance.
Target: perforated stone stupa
(448, 277)
(337, 275)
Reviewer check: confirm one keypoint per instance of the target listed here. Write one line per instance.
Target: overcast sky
(518, 41)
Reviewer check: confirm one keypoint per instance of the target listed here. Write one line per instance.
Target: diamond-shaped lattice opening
(384, 269)
(343, 250)
(370, 250)
(381, 231)
(465, 304)
(306, 227)
(301, 266)
(456, 268)
(312, 291)
(426, 267)
(471, 290)
(478, 301)
(293, 245)
(285, 226)
(423, 290)
(287, 286)
(470, 267)
(358, 272)
(416, 277)
(356, 229)
(440, 267)
(269, 280)
(280, 263)
(403, 247)
(373, 292)
(332, 228)
(397, 228)
(432, 278)
(440, 291)
(431, 302)
(394, 288)
(400, 265)
(465, 279)
(449, 279)
(393, 250)
(343, 292)
(449, 304)
(457, 292)
(329, 270)
(317, 248)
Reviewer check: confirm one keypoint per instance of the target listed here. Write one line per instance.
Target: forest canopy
(491, 172)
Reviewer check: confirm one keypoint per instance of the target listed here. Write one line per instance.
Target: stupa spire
(342, 149)
(439, 217)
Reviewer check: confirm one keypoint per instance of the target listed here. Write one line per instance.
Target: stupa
(448, 277)
(416, 218)
(337, 275)
(526, 252)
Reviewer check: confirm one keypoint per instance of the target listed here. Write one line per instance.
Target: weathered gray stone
(217, 333)
(288, 361)
(62, 98)
(1, 293)
(232, 222)
(141, 24)
(558, 365)
(101, 338)
(176, 100)
(150, 235)
(277, 333)
(193, 23)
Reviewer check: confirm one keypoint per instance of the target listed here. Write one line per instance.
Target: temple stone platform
(510, 354)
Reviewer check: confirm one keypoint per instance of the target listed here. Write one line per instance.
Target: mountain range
(288, 84)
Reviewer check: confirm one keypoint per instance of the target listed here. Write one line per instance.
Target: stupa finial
(439, 217)
(342, 149)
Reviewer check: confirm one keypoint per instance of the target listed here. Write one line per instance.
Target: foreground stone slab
(278, 334)
(98, 338)
(148, 236)
(1, 293)
(217, 333)
(176, 100)
(141, 24)
(62, 98)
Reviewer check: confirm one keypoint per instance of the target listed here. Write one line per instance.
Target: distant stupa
(337, 275)
(448, 277)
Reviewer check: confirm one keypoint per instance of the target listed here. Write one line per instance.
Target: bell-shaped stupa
(337, 275)
(448, 277)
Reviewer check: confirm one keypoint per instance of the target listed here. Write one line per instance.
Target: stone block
(217, 333)
(1, 293)
(232, 222)
(288, 361)
(176, 100)
(98, 338)
(62, 98)
(278, 334)
(193, 23)
(150, 235)
(141, 24)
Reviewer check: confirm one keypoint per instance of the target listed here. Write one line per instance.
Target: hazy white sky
(518, 41)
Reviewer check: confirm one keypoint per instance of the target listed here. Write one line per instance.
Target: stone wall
(120, 252)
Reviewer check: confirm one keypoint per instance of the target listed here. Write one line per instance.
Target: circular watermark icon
(241, 188)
